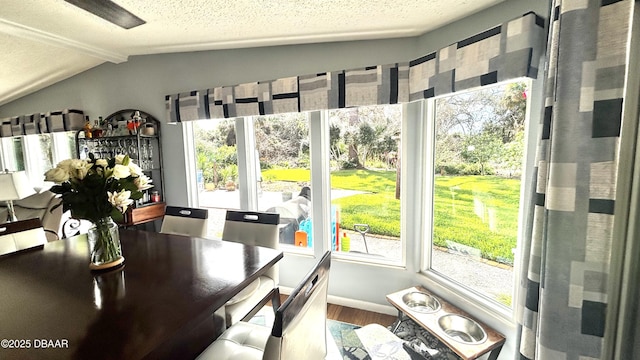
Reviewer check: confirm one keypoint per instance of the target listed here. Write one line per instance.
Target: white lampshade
(15, 186)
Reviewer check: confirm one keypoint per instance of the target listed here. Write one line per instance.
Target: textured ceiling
(32, 30)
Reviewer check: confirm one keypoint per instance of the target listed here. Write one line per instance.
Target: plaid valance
(56, 121)
(507, 51)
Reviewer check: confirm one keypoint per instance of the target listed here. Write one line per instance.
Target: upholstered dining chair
(21, 235)
(299, 330)
(185, 221)
(253, 228)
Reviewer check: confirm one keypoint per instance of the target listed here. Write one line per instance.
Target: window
(283, 173)
(478, 156)
(365, 183)
(12, 153)
(364, 161)
(37, 153)
(217, 170)
(39, 156)
(472, 144)
(277, 146)
(64, 146)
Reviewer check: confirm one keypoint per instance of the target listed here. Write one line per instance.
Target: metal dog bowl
(421, 302)
(462, 329)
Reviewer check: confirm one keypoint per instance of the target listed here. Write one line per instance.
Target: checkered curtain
(564, 278)
(56, 121)
(507, 51)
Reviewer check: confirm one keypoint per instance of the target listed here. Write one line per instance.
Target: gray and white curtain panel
(507, 51)
(564, 276)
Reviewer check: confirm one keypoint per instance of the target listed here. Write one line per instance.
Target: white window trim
(8, 162)
(445, 287)
(452, 290)
(416, 210)
(60, 147)
(32, 154)
(189, 141)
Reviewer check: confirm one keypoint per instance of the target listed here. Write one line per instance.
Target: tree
(366, 139)
(365, 133)
(481, 126)
(513, 154)
(336, 147)
(282, 140)
(481, 149)
(510, 112)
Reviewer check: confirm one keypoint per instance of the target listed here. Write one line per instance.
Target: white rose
(102, 162)
(120, 199)
(135, 169)
(80, 168)
(57, 175)
(121, 171)
(143, 182)
(66, 164)
(123, 159)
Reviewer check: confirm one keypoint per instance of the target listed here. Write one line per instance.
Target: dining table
(163, 303)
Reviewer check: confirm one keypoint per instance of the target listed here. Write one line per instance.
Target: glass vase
(104, 244)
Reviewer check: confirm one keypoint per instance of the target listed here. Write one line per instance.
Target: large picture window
(466, 219)
(364, 161)
(278, 150)
(283, 174)
(36, 153)
(216, 170)
(478, 156)
(365, 182)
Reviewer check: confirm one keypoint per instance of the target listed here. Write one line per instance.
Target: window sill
(349, 258)
(369, 260)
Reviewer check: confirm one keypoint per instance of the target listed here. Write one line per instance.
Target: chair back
(185, 221)
(300, 327)
(21, 235)
(253, 228)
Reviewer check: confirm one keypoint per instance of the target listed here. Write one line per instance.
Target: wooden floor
(355, 316)
(358, 316)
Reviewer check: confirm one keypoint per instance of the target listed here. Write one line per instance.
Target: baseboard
(356, 304)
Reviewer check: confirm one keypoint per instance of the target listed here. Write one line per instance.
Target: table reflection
(109, 287)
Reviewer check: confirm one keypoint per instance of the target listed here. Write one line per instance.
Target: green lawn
(476, 211)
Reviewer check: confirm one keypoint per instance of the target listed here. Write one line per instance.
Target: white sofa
(39, 206)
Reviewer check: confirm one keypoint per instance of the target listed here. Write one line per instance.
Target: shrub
(303, 161)
(475, 169)
(347, 165)
(449, 168)
(462, 169)
(229, 172)
(225, 155)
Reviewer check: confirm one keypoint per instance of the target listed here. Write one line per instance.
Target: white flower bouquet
(98, 188)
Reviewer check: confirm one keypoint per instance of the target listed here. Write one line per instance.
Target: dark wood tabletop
(159, 305)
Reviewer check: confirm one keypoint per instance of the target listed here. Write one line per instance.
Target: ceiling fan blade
(109, 11)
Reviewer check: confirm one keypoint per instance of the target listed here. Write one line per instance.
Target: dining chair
(21, 235)
(253, 228)
(299, 330)
(185, 221)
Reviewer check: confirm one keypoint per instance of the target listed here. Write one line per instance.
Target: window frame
(448, 287)
(406, 124)
(417, 137)
(31, 154)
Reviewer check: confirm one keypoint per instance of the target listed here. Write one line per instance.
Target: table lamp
(14, 186)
